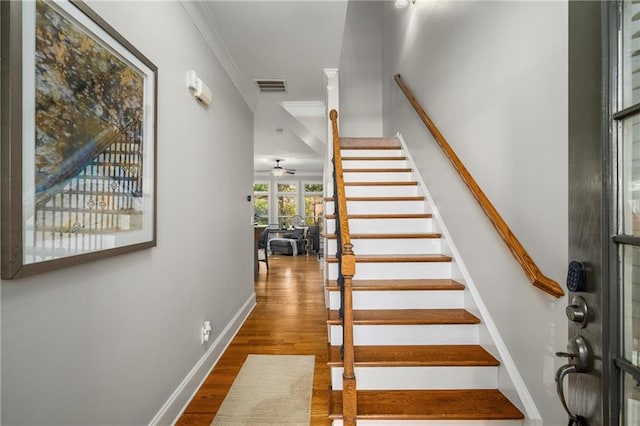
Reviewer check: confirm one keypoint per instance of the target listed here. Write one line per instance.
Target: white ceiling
(292, 40)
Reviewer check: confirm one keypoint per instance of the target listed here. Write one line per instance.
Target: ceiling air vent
(271, 86)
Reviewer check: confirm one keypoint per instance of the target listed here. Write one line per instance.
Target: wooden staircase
(417, 357)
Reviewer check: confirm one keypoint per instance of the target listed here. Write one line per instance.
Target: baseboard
(184, 393)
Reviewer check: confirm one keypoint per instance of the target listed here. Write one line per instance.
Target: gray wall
(110, 341)
(493, 77)
(361, 70)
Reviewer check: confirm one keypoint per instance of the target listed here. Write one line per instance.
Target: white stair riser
(400, 270)
(382, 207)
(455, 334)
(392, 246)
(397, 378)
(434, 422)
(382, 191)
(378, 176)
(391, 226)
(374, 164)
(401, 299)
(371, 153)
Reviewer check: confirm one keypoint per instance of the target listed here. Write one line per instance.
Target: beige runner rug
(269, 390)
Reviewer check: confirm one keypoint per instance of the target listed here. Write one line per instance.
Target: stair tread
(400, 284)
(406, 317)
(369, 143)
(395, 258)
(414, 355)
(385, 183)
(404, 198)
(370, 147)
(387, 236)
(449, 404)
(369, 158)
(378, 170)
(385, 216)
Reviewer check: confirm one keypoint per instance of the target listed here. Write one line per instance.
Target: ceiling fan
(278, 170)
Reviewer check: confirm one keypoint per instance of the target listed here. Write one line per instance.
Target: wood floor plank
(414, 356)
(288, 319)
(476, 404)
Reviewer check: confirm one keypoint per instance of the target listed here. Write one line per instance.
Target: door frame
(590, 183)
(595, 206)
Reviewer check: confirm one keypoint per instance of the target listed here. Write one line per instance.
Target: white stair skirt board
(371, 153)
(374, 164)
(391, 226)
(415, 378)
(510, 376)
(409, 270)
(391, 246)
(378, 176)
(434, 422)
(382, 207)
(450, 334)
(382, 190)
(401, 299)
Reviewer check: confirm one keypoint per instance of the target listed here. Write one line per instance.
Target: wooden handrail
(528, 265)
(341, 195)
(347, 261)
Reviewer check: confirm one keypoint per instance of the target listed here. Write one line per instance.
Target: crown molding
(203, 20)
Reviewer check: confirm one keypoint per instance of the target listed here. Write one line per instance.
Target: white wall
(108, 342)
(493, 77)
(361, 71)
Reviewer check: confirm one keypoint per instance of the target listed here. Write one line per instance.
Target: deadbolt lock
(578, 311)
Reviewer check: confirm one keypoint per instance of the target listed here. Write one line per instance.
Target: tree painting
(80, 177)
(87, 97)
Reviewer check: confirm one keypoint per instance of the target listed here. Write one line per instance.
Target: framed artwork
(78, 135)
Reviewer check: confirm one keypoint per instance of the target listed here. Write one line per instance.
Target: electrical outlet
(205, 332)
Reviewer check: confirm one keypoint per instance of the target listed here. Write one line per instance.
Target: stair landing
(369, 143)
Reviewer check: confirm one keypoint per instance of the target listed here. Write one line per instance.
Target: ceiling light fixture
(277, 172)
(401, 4)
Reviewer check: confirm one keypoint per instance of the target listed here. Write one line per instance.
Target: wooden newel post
(349, 394)
(347, 269)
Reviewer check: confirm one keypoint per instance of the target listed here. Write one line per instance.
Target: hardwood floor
(289, 318)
